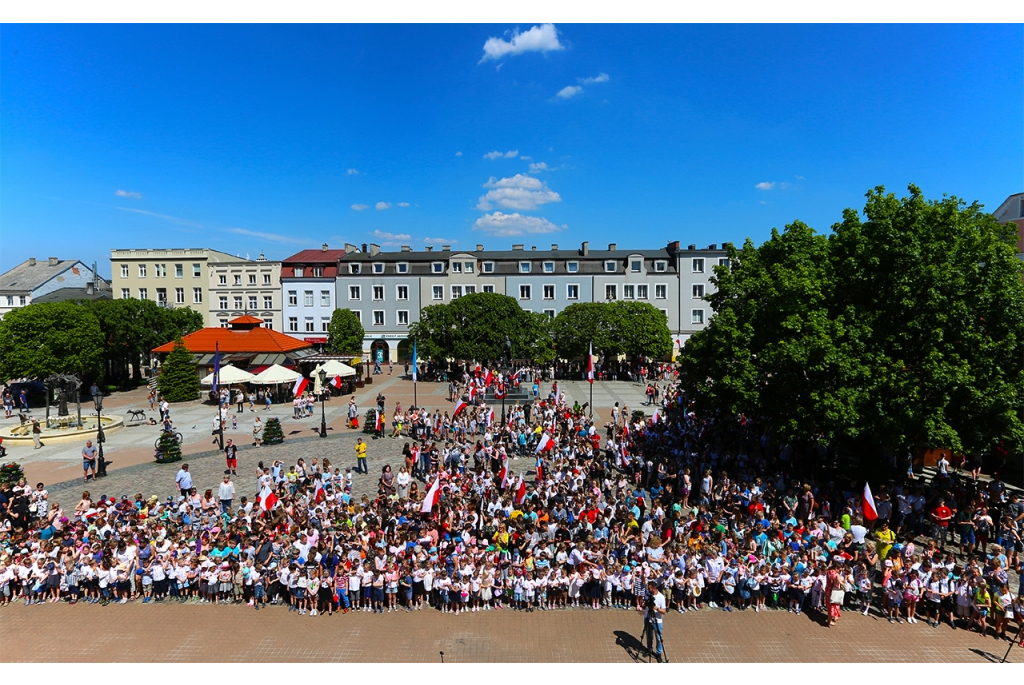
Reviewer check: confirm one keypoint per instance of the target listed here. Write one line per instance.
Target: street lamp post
(101, 470)
(323, 401)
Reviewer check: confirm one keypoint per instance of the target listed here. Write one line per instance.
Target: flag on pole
(472, 391)
(414, 373)
(870, 512)
(321, 494)
(459, 406)
(432, 497)
(336, 382)
(267, 498)
(488, 378)
(490, 418)
(216, 367)
(590, 364)
(520, 490)
(300, 386)
(545, 443)
(380, 421)
(500, 391)
(503, 479)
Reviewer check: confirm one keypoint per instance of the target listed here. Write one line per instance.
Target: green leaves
(614, 328)
(179, 380)
(41, 339)
(345, 333)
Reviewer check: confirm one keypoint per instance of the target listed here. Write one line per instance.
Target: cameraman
(654, 609)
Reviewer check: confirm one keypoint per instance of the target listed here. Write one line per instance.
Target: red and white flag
(336, 382)
(520, 490)
(477, 373)
(503, 477)
(590, 364)
(432, 497)
(545, 444)
(488, 378)
(300, 386)
(267, 498)
(656, 417)
(459, 406)
(490, 418)
(870, 513)
(380, 420)
(472, 391)
(321, 494)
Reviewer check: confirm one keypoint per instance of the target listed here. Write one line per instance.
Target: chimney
(446, 248)
(691, 247)
(713, 246)
(374, 250)
(364, 248)
(349, 247)
(31, 261)
(323, 247)
(554, 247)
(479, 247)
(406, 248)
(611, 247)
(53, 261)
(673, 246)
(514, 247)
(585, 248)
(429, 248)
(533, 248)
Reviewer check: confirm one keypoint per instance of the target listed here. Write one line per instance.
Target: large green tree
(631, 328)
(345, 333)
(641, 329)
(179, 379)
(42, 339)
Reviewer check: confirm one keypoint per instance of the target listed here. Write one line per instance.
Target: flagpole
(590, 371)
(220, 414)
(415, 375)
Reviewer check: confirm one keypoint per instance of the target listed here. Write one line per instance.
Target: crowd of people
(543, 511)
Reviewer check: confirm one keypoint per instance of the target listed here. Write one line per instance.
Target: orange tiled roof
(258, 340)
(247, 318)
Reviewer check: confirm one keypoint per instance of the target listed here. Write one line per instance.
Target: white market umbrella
(334, 368)
(229, 375)
(273, 375)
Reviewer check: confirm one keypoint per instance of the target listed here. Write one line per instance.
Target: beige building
(174, 277)
(240, 288)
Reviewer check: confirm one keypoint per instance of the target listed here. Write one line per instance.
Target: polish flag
(515, 377)
(336, 382)
(590, 364)
(267, 498)
(490, 418)
(459, 406)
(623, 461)
(380, 420)
(300, 385)
(503, 478)
(321, 494)
(870, 513)
(432, 497)
(656, 417)
(545, 443)
(520, 490)
(500, 391)
(477, 370)
(471, 391)
(488, 378)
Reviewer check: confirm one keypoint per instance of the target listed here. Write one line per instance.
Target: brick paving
(201, 633)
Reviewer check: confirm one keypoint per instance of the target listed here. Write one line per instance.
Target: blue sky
(274, 138)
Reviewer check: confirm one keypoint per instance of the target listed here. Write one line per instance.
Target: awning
(334, 368)
(228, 375)
(274, 375)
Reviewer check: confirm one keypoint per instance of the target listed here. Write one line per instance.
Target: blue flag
(216, 368)
(413, 361)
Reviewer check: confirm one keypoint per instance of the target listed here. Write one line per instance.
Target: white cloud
(570, 91)
(165, 217)
(573, 91)
(390, 239)
(543, 38)
(442, 241)
(800, 178)
(127, 193)
(360, 208)
(268, 236)
(600, 78)
(511, 154)
(537, 167)
(765, 185)
(458, 154)
(380, 206)
(525, 157)
(519, 192)
(403, 204)
(501, 224)
(353, 172)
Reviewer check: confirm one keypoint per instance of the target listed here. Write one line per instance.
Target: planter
(359, 383)
(369, 380)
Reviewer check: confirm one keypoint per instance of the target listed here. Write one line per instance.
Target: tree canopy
(631, 328)
(901, 329)
(345, 333)
(46, 338)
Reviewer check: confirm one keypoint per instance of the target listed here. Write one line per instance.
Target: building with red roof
(245, 343)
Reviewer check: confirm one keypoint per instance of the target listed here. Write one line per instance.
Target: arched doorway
(380, 351)
(404, 351)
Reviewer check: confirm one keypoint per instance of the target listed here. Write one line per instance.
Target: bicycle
(177, 437)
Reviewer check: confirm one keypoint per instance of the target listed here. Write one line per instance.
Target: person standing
(37, 431)
(257, 432)
(361, 456)
(231, 456)
(353, 413)
(23, 400)
(88, 461)
(226, 493)
(653, 613)
(183, 480)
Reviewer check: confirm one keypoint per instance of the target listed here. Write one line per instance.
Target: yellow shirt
(361, 450)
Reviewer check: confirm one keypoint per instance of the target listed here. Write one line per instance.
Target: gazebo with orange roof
(244, 343)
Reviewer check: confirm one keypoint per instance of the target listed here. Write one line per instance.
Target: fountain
(63, 426)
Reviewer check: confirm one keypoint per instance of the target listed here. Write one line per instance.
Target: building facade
(240, 288)
(1012, 209)
(175, 277)
(308, 293)
(51, 280)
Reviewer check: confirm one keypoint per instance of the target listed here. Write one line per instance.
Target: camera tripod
(649, 637)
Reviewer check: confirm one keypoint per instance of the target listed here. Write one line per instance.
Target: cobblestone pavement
(184, 633)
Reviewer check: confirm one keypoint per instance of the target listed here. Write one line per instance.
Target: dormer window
(456, 267)
(524, 267)
(572, 267)
(549, 267)
(299, 271)
(353, 269)
(609, 266)
(437, 267)
(659, 266)
(636, 265)
(318, 272)
(378, 268)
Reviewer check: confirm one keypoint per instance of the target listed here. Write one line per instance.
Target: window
(268, 301)
(309, 324)
(161, 271)
(402, 268)
(197, 270)
(318, 272)
(524, 292)
(635, 266)
(402, 292)
(403, 317)
(325, 298)
(549, 292)
(550, 313)
(723, 261)
(524, 267)
(378, 293)
(488, 289)
(437, 267)
(378, 268)
(299, 272)
(664, 312)
(698, 265)
(293, 324)
(641, 292)
(358, 313)
(237, 279)
(610, 292)
(223, 323)
(488, 267)
(125, 294)
(179, 270)
(10, 300)
(456, 291)
(266, 279)
(572, 292)
(21, 300)
(660, 292)
(468, 268)
(456, 267)
(268, 323)
(179, 296)
(238, 302)
(549, 267)
(353, 268)
(161, 295)
(124, 271)
(354, 293)
(470, 289)
(697, 316)
(628, 292)
(438, 292)
(378, 317)
(293, 298)
(307, 298)
(325, 324)
(659, 266)
(142, 270)
(197, 295)
(143, 293)
(609, 267)
(572, 267)
(222, 280)
(698, 291)
(252, 303)
(252, 279)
